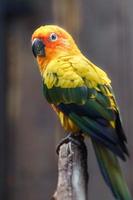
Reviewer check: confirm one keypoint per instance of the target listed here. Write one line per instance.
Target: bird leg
(75, 138)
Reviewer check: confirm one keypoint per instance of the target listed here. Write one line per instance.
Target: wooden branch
(72, 172)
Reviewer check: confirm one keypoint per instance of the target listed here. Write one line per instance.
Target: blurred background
(29, 130)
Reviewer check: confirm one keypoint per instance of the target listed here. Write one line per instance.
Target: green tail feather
(111, 172)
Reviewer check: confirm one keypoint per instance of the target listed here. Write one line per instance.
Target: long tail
(111, 172)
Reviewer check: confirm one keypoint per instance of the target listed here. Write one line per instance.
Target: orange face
(49, 42)
(50, 39)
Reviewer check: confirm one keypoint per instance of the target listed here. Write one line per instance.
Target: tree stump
(72, 171)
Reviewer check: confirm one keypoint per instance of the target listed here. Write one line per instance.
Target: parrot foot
(75, 138)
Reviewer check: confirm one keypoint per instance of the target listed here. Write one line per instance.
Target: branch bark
(72, 172)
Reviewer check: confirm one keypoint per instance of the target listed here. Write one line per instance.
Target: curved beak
(38, 47)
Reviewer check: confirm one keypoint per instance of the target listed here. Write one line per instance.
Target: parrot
(82, 96)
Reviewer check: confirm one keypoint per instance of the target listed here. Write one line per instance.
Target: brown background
(29, 130)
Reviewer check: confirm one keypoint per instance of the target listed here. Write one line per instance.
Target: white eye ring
(53, 37)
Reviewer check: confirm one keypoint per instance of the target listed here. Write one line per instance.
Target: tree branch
(72, 171)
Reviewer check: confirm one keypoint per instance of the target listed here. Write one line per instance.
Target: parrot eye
(53, 37)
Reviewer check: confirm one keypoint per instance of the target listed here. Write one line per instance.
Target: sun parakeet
(81, 95)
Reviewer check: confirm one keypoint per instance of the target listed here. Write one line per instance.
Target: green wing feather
(92, 109)
(58, 95)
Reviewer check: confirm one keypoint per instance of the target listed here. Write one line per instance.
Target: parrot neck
(50, 55)
(42, 63)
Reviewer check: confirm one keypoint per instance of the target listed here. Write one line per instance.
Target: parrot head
(51, 41)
